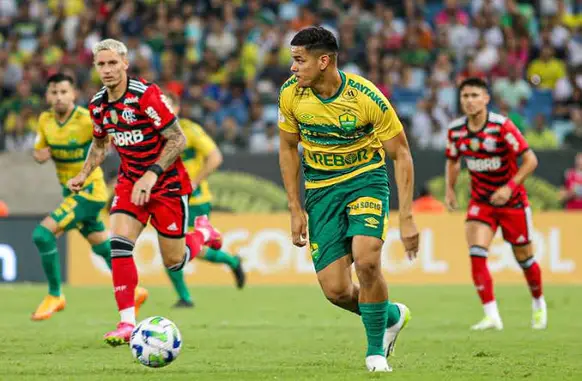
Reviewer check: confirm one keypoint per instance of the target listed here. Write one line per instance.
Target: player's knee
(172, 262)
(337, 294)
(478, 251)
(367, 268)
(121, 247)
(102, 249)
(41, 236)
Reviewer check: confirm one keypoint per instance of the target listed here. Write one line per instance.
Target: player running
(346, 127)
(492, 145)
(64, 135)
(152, 181)
(201, 158)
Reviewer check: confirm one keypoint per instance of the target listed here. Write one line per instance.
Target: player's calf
(125, 277)
(484, 286)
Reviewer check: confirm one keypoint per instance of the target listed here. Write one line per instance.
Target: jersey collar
(337, 94)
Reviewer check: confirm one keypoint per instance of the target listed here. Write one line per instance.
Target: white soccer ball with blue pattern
(155, 342)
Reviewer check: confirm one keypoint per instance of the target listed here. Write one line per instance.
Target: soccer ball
(155, 342)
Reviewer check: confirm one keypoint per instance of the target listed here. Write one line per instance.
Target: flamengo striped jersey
(491, 156)
(135, 122)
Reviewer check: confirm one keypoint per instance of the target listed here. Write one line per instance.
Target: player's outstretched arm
(175, 144)
(398, 150)
(41, 155)
(289, 165)
(452, 170)
(95, 157)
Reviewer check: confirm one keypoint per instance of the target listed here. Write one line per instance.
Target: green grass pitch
(292, 333)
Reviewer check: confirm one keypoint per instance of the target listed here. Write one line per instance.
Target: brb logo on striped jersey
(127, 138)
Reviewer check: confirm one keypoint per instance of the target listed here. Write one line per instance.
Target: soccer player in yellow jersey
(346, 128)
(64, 135)
(201, 158)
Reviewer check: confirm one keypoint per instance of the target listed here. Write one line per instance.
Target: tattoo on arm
(175, 144)
(95, 156)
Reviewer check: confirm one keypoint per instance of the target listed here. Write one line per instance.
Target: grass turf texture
(293, 333)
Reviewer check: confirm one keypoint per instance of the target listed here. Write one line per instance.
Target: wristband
(155, 168)
(512, 185)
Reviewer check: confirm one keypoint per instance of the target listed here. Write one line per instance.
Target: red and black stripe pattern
(135, 123)
(491, 156)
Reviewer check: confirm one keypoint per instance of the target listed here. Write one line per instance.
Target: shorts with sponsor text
(516, 223)
(169, 214)
(336, 213)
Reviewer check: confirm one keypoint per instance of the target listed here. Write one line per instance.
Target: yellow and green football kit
(346, 180)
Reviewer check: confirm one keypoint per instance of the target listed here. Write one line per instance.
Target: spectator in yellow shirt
(540, 137)
(546, 70)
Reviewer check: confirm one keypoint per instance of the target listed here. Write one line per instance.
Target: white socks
(128, 315)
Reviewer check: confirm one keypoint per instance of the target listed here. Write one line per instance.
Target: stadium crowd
(227, 59)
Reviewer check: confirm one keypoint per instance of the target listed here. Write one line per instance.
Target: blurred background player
(201, 158)
(492, 145)
(64, 135)
(351, 129)
(152, 180)
(571, 192)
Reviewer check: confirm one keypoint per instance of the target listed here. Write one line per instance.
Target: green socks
(177, 278)
(375, 318)
(46, 244)
(393, 314)
(219, 256)
(103, 250)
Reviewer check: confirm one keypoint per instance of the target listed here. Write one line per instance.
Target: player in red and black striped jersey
(152, 180)
(491, 146)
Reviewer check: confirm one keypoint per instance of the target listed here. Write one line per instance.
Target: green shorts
(77, 212)
(198, 210)
(336, 213)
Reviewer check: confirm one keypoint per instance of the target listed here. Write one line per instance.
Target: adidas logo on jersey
(172, 227)
(130, 100)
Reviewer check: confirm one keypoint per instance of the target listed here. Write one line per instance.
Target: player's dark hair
(474, 82)
(60, 77)
(316, 38)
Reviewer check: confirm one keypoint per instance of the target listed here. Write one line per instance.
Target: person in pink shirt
(450, 13)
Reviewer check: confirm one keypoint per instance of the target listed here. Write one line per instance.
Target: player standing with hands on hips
(346, 127)
(152, 181)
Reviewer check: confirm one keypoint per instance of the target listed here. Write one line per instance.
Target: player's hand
(451, 200)
(142, 189)
(501, 196)
(409, 236)
(299, 227)
(42, 155)
(76, 183)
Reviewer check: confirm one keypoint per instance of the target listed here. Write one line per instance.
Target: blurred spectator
(20, 138)
(227, 59)
(450, 14)
(545, 71)
(514, 90)
(514, 116)
(230, 138)
(427, 203)
(4, 211)
(540, 137)
(574, 139)
(429, 125)
(266, 141)
(571, 191)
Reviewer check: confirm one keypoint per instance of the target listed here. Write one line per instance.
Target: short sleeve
(97, 121)
(514, 138)
(200, 141)
(40, 140)
(157, 108)
(383, 116)
(287, 121)
(451, 152)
